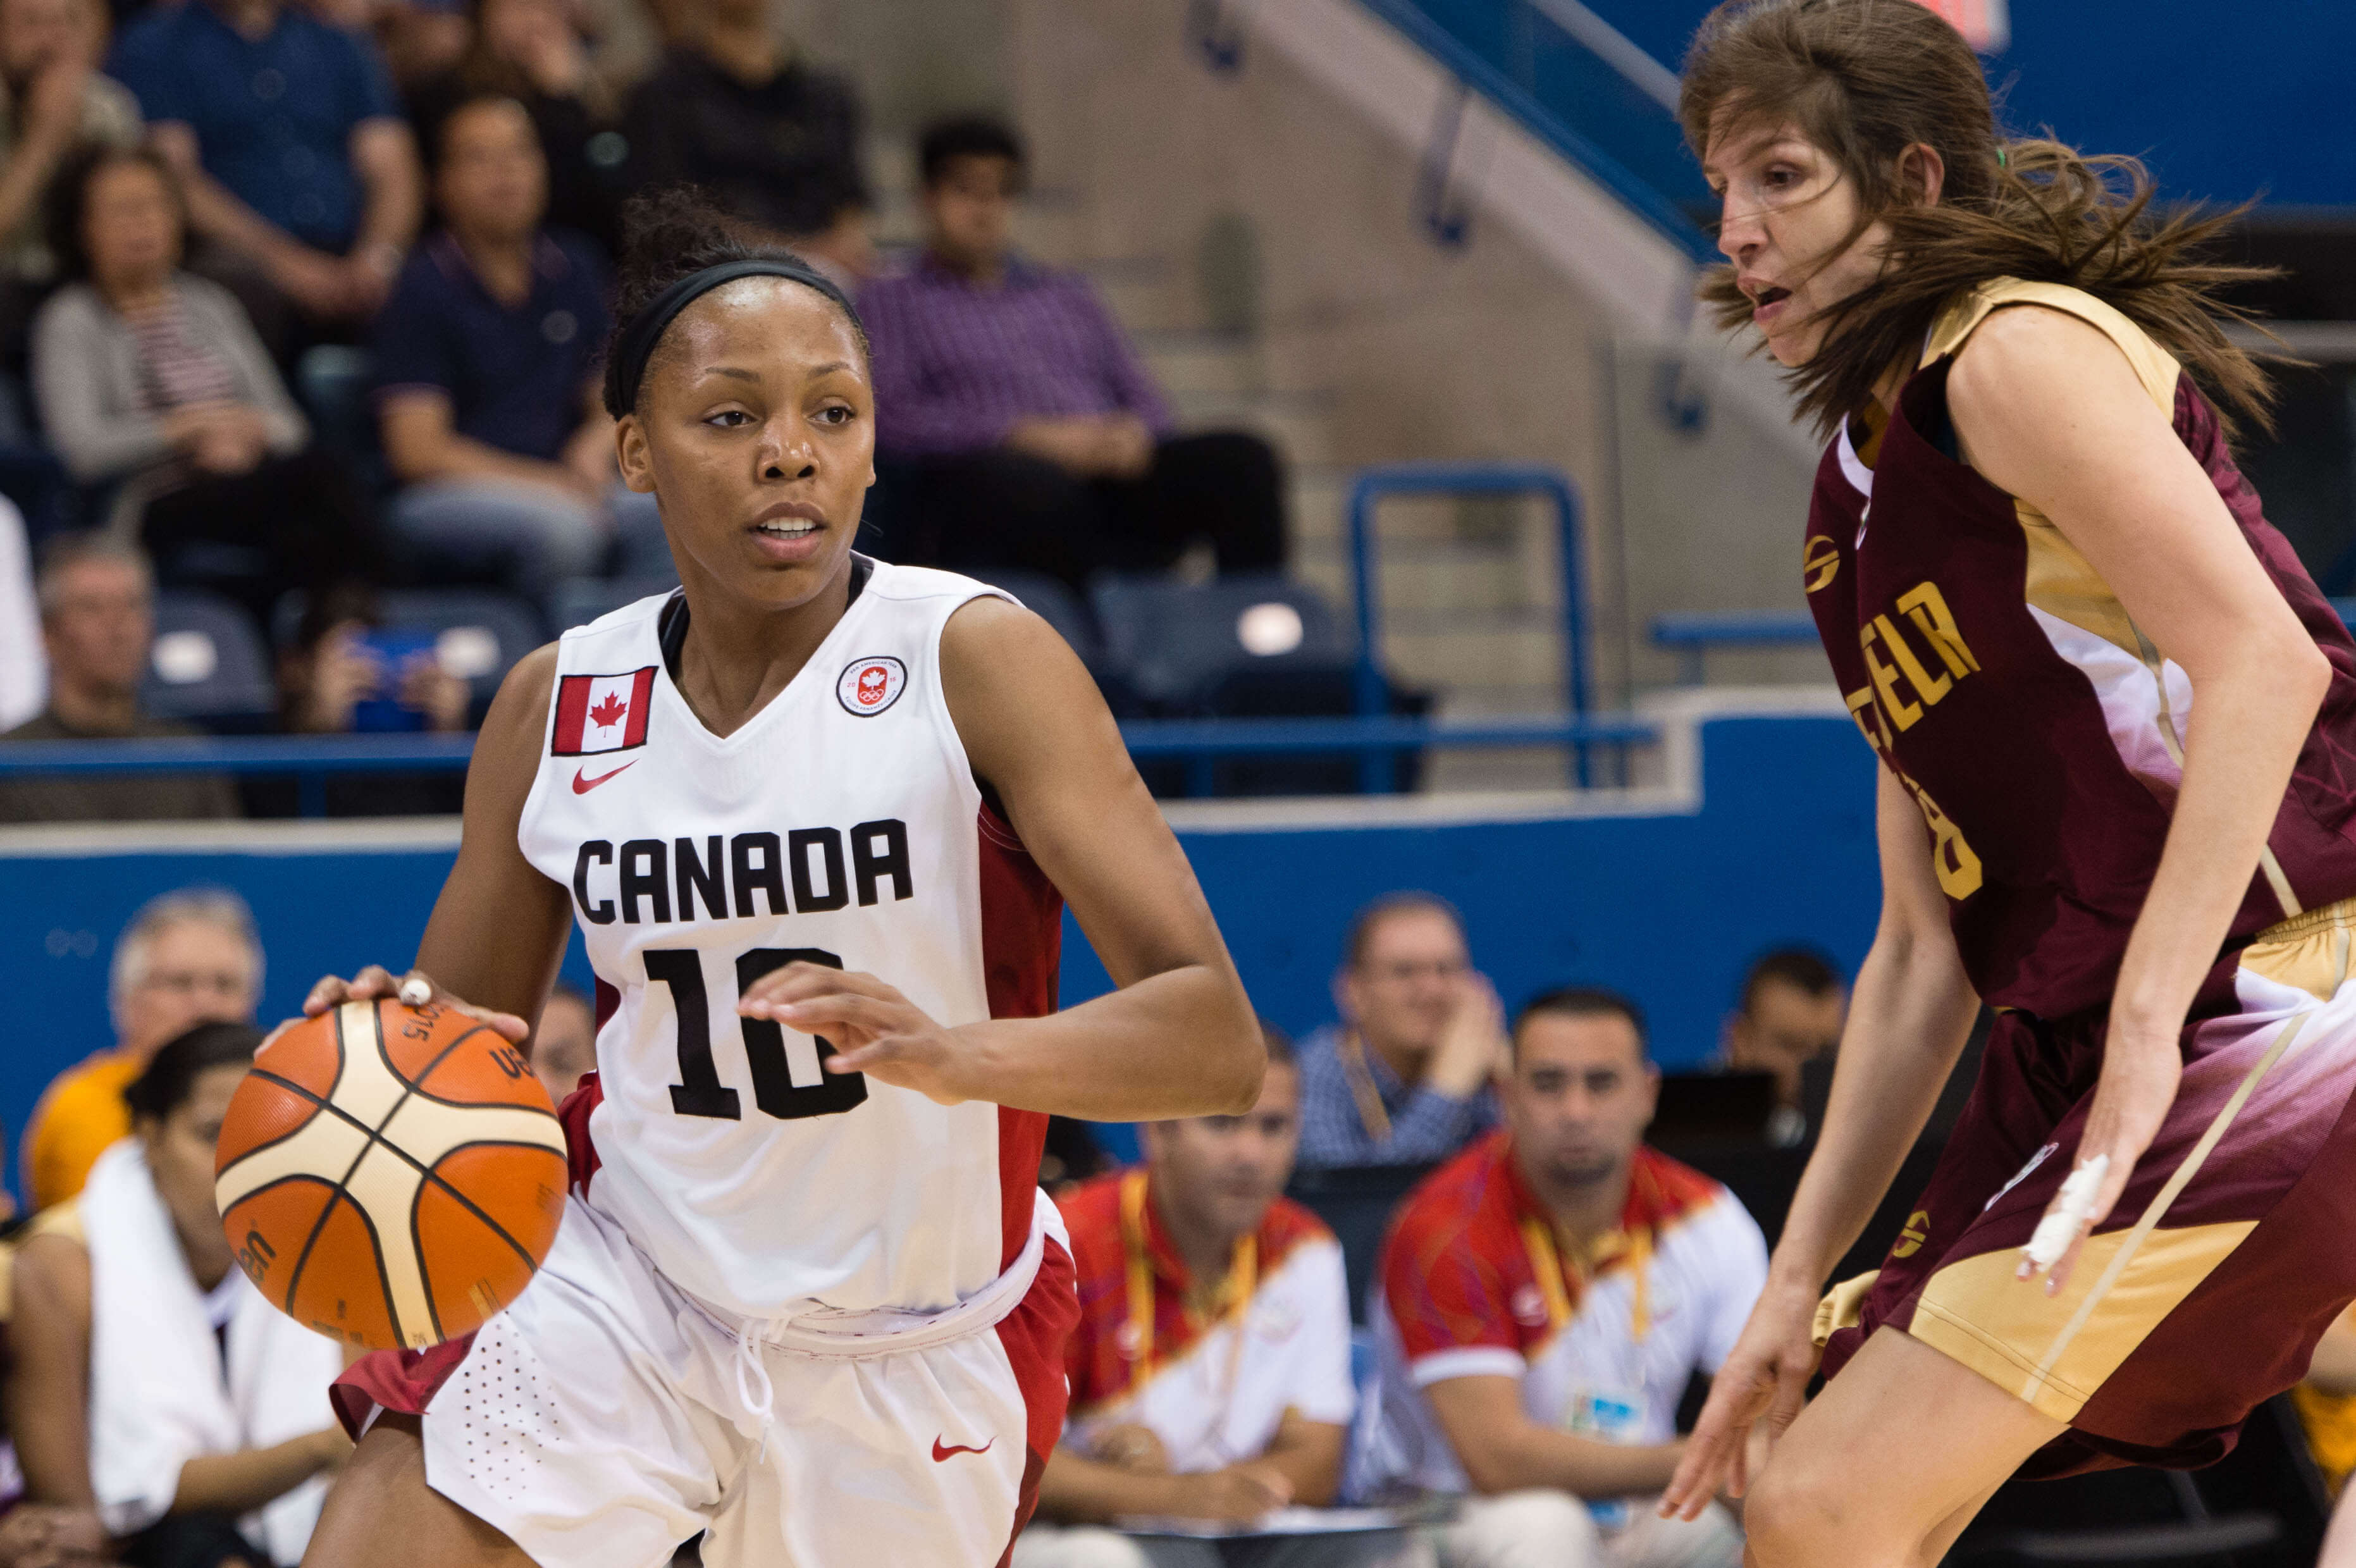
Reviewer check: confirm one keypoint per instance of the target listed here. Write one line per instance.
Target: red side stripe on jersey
(1022, 953)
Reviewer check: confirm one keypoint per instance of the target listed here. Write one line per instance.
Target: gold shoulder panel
(2153, 365)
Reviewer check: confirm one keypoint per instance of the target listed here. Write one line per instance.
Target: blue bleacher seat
(480, 632)
(1052, 603)
(577, 601)
(208, 666)
(1175, 643)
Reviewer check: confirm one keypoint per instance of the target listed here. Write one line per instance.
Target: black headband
(636, 343)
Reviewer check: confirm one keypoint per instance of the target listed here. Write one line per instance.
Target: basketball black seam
(376, 1139)
(424, 1171)
(409, 1089)
(318, 1226)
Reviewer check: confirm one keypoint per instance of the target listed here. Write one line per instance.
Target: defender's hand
(1767, 1375)
(415, 988)
(873, 1029)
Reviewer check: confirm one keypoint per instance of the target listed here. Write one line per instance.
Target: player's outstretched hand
(873, 1029)
(1766, 1376)
(2141, 1071)
(415, 988)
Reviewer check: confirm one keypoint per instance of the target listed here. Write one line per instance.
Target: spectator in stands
(1791, 1015)
(97, 623)
(188, 957)
(287, 136)
(487, 360)
(52, 101)
(344, 674)
(533, 52)
(771, 138)
(44, 1535)
(1404, 1078)
(1545, 1300)
(564, 1045)
(150, 1381)
(1210, 1373)
(1025, 432)
(152, 378)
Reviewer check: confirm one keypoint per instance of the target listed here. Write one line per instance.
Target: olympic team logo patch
(869, 686)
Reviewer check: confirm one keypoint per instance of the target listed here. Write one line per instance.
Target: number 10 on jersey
(789, 1079)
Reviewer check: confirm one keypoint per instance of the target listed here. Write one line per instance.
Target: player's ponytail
(669, 236)
(1863, 79)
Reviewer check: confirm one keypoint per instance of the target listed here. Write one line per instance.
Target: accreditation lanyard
(1553, 1280)
(1373, 1115)
(1235, 1295)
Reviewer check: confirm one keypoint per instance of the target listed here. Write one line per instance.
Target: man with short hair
(1791, 1014)
(97, 623)
(487, 358)
(187, 958)
(1024, 431)
(1404, 1078)
(1210, 1371)
(1545, 1298)
(289, 141)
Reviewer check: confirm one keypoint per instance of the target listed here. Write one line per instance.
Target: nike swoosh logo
(941, 1451)
(583, 783)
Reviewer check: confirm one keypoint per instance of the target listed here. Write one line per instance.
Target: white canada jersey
(841, 825)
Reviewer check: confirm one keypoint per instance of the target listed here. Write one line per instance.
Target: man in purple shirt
(1017, 427)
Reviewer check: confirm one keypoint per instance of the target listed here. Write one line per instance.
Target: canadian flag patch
(602, 713)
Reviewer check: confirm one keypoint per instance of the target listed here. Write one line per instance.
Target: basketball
(391, 1175)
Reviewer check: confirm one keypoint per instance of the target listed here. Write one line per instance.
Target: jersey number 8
(782, 1087)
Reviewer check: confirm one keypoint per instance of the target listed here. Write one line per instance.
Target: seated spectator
(1031, 436)
(150, 1380)
(286, 133)
(564, 1044)
(152, 378)
(53, 102)
(187, 958)
(1210, 1373)
(1545, 1300)
(344, 674)
(531, 51)
(770, 138)
(1404, 1078)
(487, 360)
(98, 624)
(1791, 1015)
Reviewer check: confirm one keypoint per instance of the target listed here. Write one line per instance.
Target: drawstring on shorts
(750, 1373)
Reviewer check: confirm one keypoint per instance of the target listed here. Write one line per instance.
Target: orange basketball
(391, 1175)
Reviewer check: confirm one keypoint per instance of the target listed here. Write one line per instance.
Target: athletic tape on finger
(2071, 1209)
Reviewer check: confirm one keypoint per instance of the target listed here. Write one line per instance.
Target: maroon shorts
(2233, 1247)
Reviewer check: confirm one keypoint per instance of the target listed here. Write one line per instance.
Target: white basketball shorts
(606, 1417)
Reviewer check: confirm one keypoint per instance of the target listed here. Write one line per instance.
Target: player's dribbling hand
(2141, 1071)
(873, 1028)
(1766, 1376)
(415, 988)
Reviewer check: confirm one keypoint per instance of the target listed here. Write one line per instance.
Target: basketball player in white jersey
(816, 816)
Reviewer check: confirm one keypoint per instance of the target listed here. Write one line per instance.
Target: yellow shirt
(79, 1115)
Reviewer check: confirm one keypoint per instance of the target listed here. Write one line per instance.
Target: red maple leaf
(609, 713)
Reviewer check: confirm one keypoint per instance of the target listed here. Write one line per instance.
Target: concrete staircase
(1470, 590)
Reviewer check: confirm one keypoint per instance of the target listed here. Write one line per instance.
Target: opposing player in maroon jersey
(2118, 730)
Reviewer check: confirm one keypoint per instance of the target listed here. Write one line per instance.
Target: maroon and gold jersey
(2008, 690)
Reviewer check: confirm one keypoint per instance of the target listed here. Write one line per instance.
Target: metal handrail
(312, 758)
(1468, 65)
(1373, 485)
(1693, 633)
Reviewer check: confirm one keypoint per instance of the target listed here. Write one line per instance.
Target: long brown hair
(1864, 80)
